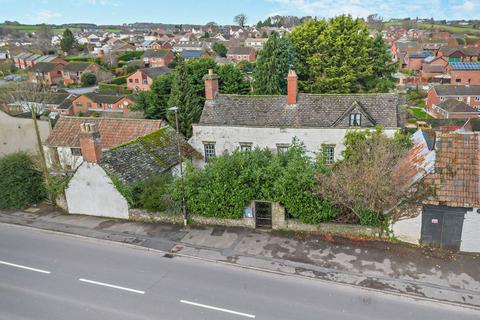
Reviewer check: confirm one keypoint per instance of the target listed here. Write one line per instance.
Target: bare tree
(44, 38)
(31, 98)
(240, 19)
(375, 22)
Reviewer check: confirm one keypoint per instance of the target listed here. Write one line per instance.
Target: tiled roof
(146, 156)
(448, 50)
(453, 90)
(155, 72)
(114, 132)
(155, 53)
(44, 66)
(453, 105)
(76, 66)
(240, 51)
(311, 110)
(103, 98)
(457, 171)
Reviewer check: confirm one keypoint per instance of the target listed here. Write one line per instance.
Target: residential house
(92, 191)
(255, 43)
(415, 60)
(20, 59)
(72, 72)
(434, 69)
(29, 61)
(230, 122)
(62, 147)
(241, 54)
(189, 45)
(49, 73)
(450, 216)
(470, 94)
(149, 45)
(48, 102)
(142, 79)
(191, 54)
(464, 73)
(121, 46)
(453, 108)
(157, 58)
(92, 101)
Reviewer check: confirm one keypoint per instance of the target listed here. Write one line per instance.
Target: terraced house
(231, 122)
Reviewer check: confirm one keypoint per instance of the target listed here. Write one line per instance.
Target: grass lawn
(441, 27)
(419, 113)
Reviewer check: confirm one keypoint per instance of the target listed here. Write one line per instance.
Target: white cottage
(230, 122)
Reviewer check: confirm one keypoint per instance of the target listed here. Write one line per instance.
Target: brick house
(92, 101)
(464, 72)
(49, 73)
(72, 72)
(454, 109)
(149, 45)
(469, 94)
(157, 58)
(434, 69)
(415, 60)
(451, 53)
(20, 59)
(142, 79)
(241, 54)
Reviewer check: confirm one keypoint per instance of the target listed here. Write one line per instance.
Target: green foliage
(339, 56)
(108, 87)
(153, 103)
(129, 55)
(88, 79)
(273, 63)
(220, 49)
(68, 41)
(21, 184)
(232, 80)
(119, 80)
(229, 182)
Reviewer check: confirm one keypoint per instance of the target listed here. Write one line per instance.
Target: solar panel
(465, 65)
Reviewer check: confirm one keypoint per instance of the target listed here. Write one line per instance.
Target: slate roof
(191, 54)
(155, 72)
(155, 53)
(114, 132)
(240, 51)
(453, 105)
(457, 171)
(311, 110)
(146, 156)
(453, 90)
(77, 66)
(103, 98)
(44, 66)
(420, 55)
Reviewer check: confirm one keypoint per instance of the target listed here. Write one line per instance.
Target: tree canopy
(220, 49)
(339, 56)
(68, 40)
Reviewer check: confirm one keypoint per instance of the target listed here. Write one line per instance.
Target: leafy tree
(21, 184)
(240, 19)
(154, 103)
(220, 49)
(339, 56)
(383, 68)
(88, 79)
(68, 41)
(272, 65)
(232, 80)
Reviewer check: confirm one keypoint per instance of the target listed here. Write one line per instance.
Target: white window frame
(245, 146)
(209, 150)
(355, 120)
(282, 147)
(329, 153)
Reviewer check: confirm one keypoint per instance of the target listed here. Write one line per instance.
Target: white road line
(218, 309)
(111, 286)
(24, 267)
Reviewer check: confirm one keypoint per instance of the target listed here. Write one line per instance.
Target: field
(55, 30)
(469, 29)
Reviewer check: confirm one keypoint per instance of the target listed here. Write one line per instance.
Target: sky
(223, 11)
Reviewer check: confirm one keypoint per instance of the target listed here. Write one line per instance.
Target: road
(50, 276)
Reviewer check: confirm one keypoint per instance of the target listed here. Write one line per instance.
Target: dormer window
(355, 120)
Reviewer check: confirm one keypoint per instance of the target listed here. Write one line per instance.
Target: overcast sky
(222, 11)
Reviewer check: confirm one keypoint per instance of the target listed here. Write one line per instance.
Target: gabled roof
(146, 156)
(77, 66)
(311, 110)
(105, 98)
(449, 50)
(155, 53)
(453, 90)
(453, 105)
(240, 51)
(155, 72)
(114, 132)
(419, 55)
(44, 66)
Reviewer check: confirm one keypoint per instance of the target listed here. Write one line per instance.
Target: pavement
(54, 276)
(79, 91)
(395, 268)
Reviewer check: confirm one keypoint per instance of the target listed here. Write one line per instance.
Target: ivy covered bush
(21, 184)
(229, 182)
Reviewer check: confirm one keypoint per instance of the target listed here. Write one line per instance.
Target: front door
(263, 214)
(442, 226)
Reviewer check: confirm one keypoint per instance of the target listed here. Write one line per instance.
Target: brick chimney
(292, 87)
(211, 85)
(90, 143)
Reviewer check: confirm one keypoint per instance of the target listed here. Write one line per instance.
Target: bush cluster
(21, 184)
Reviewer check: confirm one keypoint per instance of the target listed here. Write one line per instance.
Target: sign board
(434, 221)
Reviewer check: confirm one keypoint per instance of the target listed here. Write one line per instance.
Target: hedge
(21, 184)
(122, 89)
(129, 55)
(119, 80)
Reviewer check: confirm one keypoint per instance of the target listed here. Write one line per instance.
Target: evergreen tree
(68, 41)
(273, 63)
(232, 80)
(220, 49)
(154, 103)
(383, 67)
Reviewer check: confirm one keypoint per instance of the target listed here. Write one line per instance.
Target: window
(209, 150)
(281, 148)
(130, 80)
(245, 146)
(442, 98)
(79, 104)
(136, 81)
(329, 153)
(89, 105)
(458, 80)
(145, 81)
(477, 98)
(355, 120)
(76, 151)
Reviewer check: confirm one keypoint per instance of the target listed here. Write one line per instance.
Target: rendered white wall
(408, 230)
(91, 192)
(471, 232)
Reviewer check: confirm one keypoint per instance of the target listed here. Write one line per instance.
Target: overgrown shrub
(88, 79)
(119, 80)
(21, 184)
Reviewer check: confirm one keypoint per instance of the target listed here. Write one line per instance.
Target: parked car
(10, 77)
(19, 78)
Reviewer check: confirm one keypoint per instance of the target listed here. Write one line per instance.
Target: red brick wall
(81, 104)
(465, 77)
(432, 98)
(135, 82)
